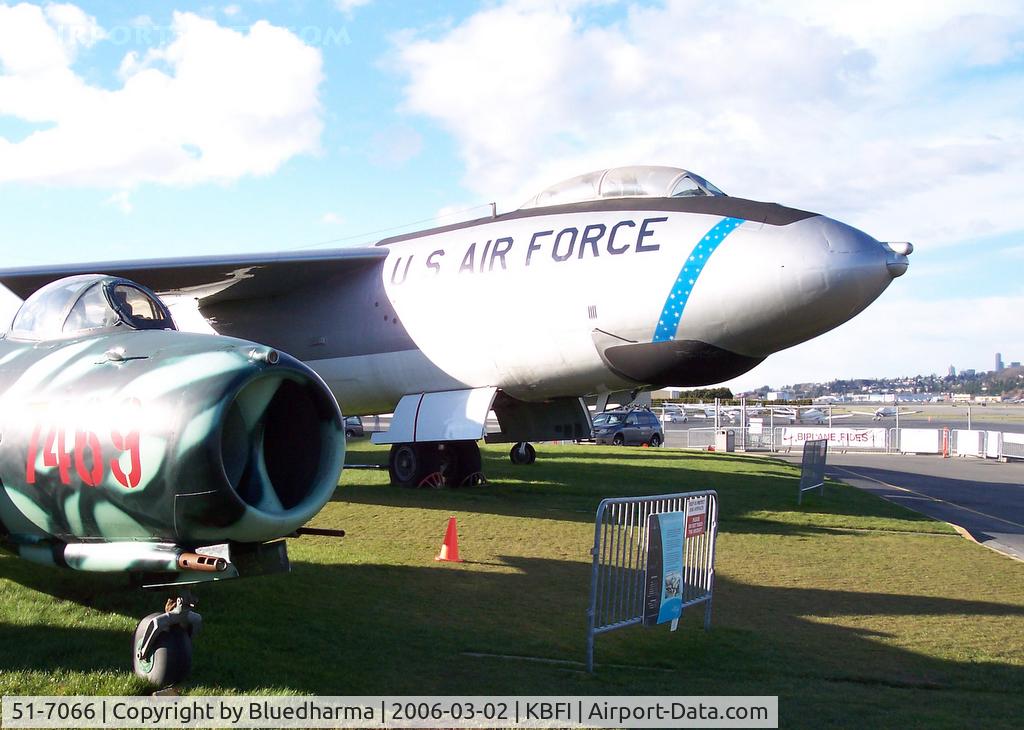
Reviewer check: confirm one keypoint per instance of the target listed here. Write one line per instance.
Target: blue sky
(177, 128)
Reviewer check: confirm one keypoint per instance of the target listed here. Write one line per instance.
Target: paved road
(984, 497)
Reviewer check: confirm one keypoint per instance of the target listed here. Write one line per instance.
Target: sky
(153, 129)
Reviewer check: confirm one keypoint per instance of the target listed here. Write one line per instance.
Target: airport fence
(956, 442)
(700, 438)
(747, 439)
(632, 581)
(1012, 446)
(841, 439)
(964, 442)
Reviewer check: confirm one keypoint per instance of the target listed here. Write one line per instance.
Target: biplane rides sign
(838, 438)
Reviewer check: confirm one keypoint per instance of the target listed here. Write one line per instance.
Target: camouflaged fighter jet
(619, 280)
(176, 457)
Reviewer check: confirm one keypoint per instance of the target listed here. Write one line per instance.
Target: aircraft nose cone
(832, 272)
(896, 260)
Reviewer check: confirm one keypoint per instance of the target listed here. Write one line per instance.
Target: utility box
(725, 440)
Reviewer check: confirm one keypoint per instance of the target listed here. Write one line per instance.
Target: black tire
(655, 441)
(170, 659)
(350, 434)
(523, 453)
(405, 465)
(470, 467)
(618, 440)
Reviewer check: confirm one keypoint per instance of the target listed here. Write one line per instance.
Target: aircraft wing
(211, 278)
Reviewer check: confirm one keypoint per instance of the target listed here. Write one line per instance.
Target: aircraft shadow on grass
(380, 629)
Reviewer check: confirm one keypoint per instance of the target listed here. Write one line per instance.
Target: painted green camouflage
(231, 448)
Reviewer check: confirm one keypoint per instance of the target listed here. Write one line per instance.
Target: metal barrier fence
(747, 439)
(812, 468)
(958, 442)
(840, 438)
(967, 443)
(700, 438)
(1013, 446)
(620, 552)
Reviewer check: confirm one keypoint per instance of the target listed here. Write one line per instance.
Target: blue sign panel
(663, 579)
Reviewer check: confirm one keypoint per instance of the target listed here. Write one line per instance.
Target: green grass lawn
(851, 609)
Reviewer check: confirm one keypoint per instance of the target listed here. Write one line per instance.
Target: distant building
(1015, 364)
(970, 373)
(779, 395)
(952, 371)
(999, 362)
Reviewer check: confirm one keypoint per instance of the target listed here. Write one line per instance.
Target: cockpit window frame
(593, 186)
(128, 317)
(124, 316)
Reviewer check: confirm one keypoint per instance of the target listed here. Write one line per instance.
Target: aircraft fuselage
(598, 297)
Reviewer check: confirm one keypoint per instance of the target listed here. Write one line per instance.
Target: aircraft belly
(367, 384)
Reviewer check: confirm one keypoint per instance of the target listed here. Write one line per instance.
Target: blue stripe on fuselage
(675, 303)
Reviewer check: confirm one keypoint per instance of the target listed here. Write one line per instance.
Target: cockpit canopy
(87, 303)
(637, 181)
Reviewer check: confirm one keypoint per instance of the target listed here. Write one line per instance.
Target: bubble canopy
(81, 304)
(637, 181)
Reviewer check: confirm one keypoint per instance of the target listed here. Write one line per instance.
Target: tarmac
(983, 497)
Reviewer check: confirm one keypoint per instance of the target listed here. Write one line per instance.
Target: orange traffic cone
(450, 547)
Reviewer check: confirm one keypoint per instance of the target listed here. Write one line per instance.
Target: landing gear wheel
(655, 441)
(169, 658)
(523, 453)
(618, 440)
(405, 465)
(470, 466)
(436, 464)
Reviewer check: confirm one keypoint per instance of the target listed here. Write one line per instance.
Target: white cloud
(816, 105)
(350, 6)
(212, 104)
(332, 219)
(232, 10)
(122, 200)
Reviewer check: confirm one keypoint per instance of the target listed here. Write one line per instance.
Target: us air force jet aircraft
(618, 280)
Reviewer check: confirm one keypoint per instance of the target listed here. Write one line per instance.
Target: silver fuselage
(603, 298)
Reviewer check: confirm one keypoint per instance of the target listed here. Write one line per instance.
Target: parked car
(620, 428)
(673, 413)
(354, 427)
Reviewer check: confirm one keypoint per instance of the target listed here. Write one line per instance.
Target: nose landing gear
(162, 642)
(523, 453)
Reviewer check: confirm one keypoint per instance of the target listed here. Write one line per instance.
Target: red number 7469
(87, 454)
